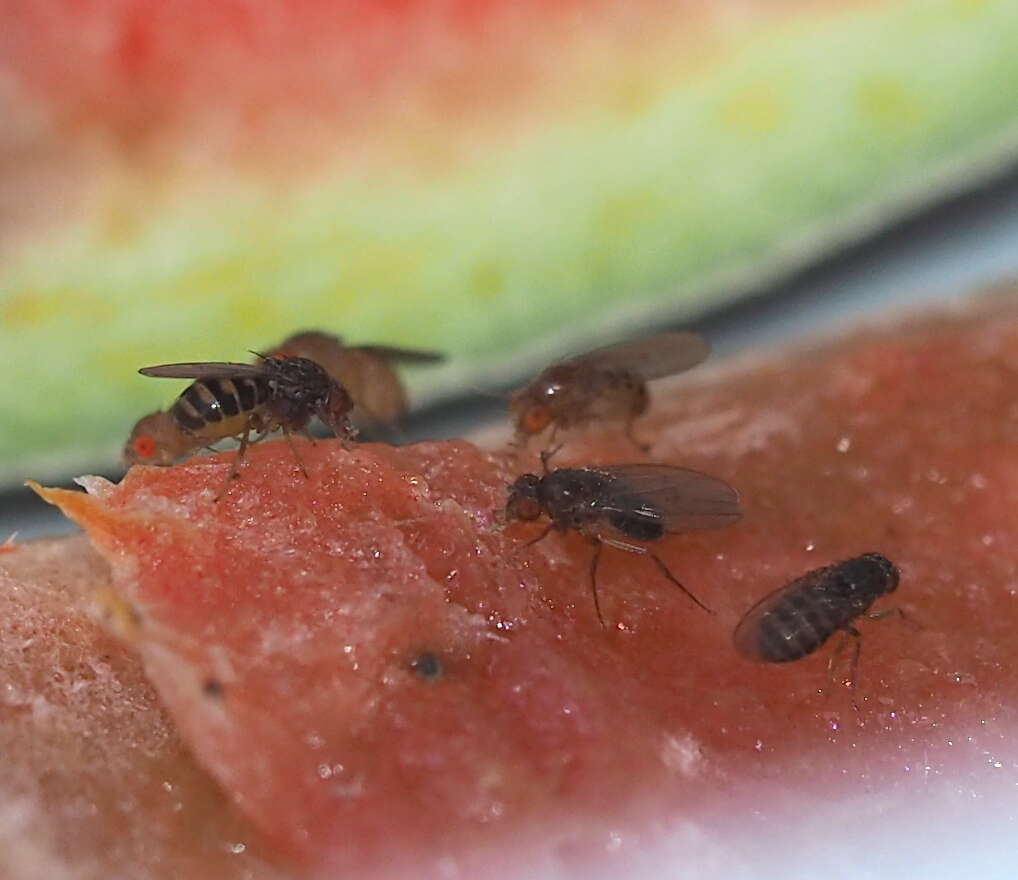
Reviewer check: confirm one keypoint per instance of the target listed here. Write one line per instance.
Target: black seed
(213, 688)
(427, 665)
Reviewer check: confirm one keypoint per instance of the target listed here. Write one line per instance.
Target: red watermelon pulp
(383, 677)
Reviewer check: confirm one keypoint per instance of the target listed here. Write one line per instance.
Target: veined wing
(401, 355)
(822, 603)
(204, 370)
(651, 357)
(684, 499)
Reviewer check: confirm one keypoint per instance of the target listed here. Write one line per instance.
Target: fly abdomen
(187, 413)
(797, 619)
(793, 628)
(641, 524)
(225, 394)
(250, 393)
(208, 401)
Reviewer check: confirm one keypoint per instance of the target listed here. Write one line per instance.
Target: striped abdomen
(797, 619)
(219, 407)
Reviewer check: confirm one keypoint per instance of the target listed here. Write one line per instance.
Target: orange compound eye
(536, 419)
(144, 446)
(528, 509)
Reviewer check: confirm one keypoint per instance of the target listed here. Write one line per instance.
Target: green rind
(624, 211)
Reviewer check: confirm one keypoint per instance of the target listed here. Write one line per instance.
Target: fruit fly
(605, 384)
(617, 504)
(797, 619)
(158, 439)
(236, 400)
(368, 372)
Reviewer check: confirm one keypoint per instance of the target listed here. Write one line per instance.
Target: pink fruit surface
(95, 781)
(280, 625)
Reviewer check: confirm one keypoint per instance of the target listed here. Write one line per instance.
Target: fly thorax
(859, 583)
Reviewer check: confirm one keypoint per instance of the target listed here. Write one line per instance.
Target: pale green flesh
(617, 212)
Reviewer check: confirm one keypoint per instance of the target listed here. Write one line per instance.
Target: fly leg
(517, 445)
(894, 612)
(235, 469)
(667, 573)
(549, 451)
(643, 447)
(594, 560)
(350, 433)
(544, 534)
(344, 431)
(849, 633)
(646, 551)
(546, 455)
(296, 454)
(209, 443)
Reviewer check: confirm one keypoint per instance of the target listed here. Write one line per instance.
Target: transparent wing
(313, 340)
(746, 635)
(205, 370)
(651, 357)
(684, 499)
(402, 355)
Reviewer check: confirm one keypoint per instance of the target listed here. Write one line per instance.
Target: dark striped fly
(797, 619)
(368, 372)
(618, 504)
(238, 400)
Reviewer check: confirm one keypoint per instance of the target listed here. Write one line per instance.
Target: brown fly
(367, 372)
(237, 400)
(607, 384)
(797, 619)
(618, 504)
(157, 439)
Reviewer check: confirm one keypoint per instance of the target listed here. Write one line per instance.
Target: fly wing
(308, 343)
(204, 370)
(651, 357)
(684, 499)
(747, 632)
(746, 636)
(402, 355)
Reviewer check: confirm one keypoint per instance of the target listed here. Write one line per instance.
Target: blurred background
(502, 180)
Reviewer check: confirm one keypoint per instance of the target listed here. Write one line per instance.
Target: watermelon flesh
(382, 676)
(95, 781)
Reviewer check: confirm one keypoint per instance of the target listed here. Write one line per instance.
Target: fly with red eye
(157, 439)
(619, 504)
(605, 385)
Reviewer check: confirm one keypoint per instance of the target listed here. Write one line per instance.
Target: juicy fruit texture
(196, 181)
(292, 629)
(95, 781)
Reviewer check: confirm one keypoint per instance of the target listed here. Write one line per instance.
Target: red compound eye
(537, 418)
(145, 446)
